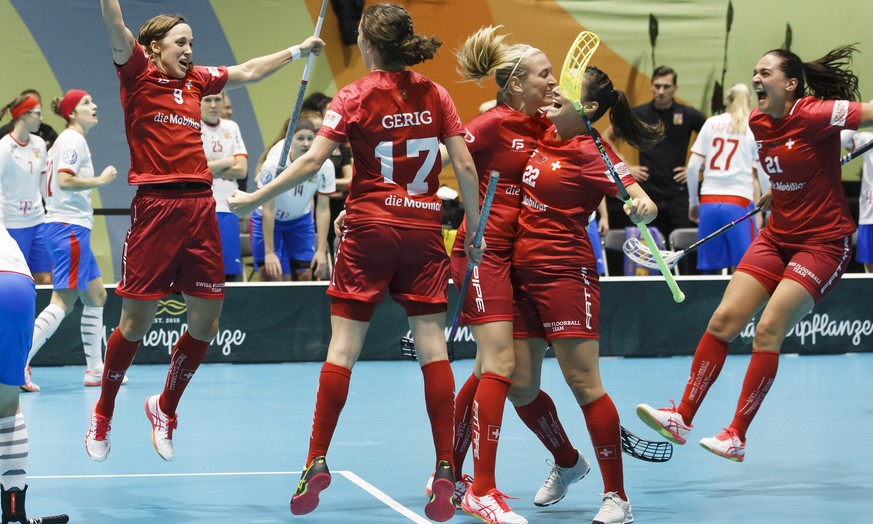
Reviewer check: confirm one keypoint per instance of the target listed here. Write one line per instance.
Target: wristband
(295, 52)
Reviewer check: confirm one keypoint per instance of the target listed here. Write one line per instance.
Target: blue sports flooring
(243, 435)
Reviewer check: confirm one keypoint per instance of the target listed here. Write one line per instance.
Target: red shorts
(489, 295)
(555, 303)
(374, 258)
(173, 246)
(816, 267)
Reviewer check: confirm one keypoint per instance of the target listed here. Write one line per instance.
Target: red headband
(24, 106)
(70, 101)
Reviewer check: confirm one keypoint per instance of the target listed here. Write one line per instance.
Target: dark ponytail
(828, 78)
(389, 29)
(624, 122)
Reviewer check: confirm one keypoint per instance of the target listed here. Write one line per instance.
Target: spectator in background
(227, 110)
(22, 164)
(287, 244)
(226, 157)
(316, 101)
(864, 249)
(45, 131)
(727, 152)
(313, 109)
(69, 219)
(662, 172)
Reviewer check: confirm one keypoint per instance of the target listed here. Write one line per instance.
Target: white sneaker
(666, 421)
(613, 510)
(162, 427)
(97, 443)
(461, 487)
(29, 386)
(491, 508)
(726, 444)
(558, 483)
(95, 378)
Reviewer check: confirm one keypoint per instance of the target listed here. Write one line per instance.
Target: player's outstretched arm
(295, 174)
(120, 38)
(261, 67)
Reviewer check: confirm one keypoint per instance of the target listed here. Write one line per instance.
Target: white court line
(388, 501)
(363, 484)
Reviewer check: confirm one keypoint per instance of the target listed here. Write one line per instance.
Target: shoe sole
(308, 501)
(441, 506)
(653, 423)
(722, 455)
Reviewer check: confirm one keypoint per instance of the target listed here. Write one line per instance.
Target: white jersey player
(726, 150)
(226, 157)
(284, 239)
(864, 249)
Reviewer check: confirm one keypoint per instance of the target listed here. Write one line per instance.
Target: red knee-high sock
(439, 395)
(708, 361)
(541, 417)
(187, 356)
(333, 390)
(601, 417)
(119, 355)
(463, 414)
(759, 378)
(487, 418)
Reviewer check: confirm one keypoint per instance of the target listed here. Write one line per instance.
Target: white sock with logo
(45, 326)
(92, 335)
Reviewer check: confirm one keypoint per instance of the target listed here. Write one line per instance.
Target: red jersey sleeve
(451, 121)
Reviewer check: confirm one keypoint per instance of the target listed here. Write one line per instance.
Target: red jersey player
(502, 139)
(394, 120)
(557, 290)
(160, 95)
(804, 249)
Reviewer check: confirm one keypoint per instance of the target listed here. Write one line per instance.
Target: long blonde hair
(739, 105)
(484, 54)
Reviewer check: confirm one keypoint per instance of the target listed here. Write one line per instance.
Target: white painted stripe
(388, 501)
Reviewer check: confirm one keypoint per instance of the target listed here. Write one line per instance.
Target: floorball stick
(301, 92)
(53, 519)
(642, 254)
(856, 153)
(407, 345)
(572, 80)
